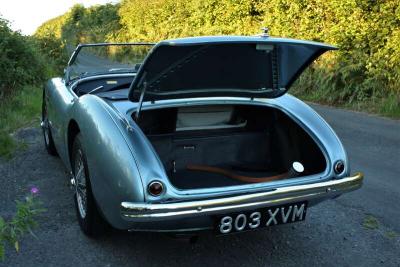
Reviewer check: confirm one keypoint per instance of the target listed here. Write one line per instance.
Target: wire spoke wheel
(89, 218)
(80, 184)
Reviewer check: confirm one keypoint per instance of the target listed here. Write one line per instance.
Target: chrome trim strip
(140, 212)
(183, 230)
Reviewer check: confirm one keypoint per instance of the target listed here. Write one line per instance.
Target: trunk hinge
(143, 85)
(139, 107)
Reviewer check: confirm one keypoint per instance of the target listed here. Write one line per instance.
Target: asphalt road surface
(359, 229)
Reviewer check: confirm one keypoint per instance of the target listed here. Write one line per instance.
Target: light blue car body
(122, 161)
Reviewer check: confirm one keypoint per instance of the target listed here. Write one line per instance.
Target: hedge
(367, 33)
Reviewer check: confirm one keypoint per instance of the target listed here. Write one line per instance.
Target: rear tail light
(339, 167)
(155, 188)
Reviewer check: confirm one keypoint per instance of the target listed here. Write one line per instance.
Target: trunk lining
(266, 145)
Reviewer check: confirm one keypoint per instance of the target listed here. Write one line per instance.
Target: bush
(55, 53)
(90, 25)
(365, 68)
(366, 32)
(20, 63)
(25, 62)
(58, 37)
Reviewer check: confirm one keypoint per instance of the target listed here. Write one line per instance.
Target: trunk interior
(225, 145)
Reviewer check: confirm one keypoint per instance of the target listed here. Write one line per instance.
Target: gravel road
(359, 229)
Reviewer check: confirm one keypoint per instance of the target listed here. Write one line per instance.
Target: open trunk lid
(245, 66)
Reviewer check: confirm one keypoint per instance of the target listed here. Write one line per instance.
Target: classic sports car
(192, 134)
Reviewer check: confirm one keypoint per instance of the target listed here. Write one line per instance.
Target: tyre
(48, 138)
(89, 218)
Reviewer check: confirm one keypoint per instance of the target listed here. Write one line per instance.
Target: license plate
(265, 217)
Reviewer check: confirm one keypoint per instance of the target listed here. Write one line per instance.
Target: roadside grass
(19, 110)
(388, 106)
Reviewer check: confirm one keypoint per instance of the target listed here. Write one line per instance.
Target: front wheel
(90, 221)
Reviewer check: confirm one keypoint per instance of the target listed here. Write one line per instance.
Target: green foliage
(366, 32)
(55, 53)
(91, 25)
(25, 62)
(82, 25)
(358, 72)
(23, 221)
(52, 27)
(155, 20)
(365, 69)
(58, 37)
(20, 63)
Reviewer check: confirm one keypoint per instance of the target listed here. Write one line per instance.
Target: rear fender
(113, 172)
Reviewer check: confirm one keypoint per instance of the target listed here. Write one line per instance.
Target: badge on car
(264, 217)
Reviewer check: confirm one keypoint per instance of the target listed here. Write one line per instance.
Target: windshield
(92, 59)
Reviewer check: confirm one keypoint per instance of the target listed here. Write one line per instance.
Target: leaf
(31, 232)
(16, 245)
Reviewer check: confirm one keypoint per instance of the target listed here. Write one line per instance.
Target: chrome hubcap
(80, 185)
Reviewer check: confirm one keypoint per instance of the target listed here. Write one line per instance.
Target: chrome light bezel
(339, 167)
(153, 182)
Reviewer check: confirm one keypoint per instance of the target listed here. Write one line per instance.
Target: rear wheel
(90, 221)
(48, 138)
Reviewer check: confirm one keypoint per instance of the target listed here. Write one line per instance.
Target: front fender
(113, 172)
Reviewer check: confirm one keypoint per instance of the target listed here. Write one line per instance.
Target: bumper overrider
(314, 193)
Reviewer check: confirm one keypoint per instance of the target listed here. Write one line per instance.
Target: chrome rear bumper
(316, 192)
